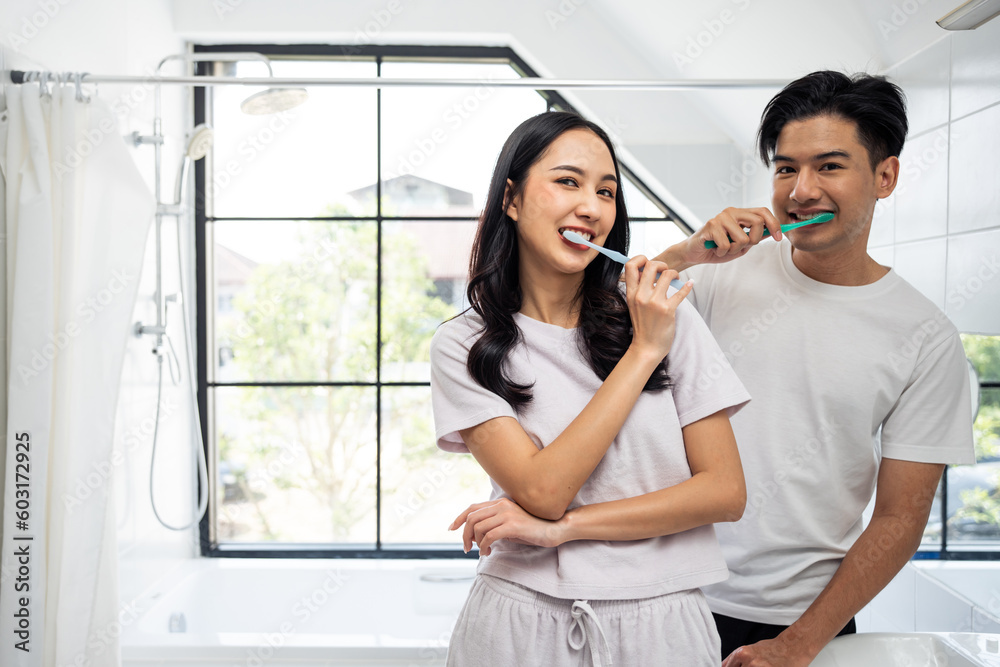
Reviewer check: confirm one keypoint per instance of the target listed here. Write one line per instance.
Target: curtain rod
(533, 83)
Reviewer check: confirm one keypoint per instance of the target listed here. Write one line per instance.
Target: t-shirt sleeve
(931, 421)
(457, 400)
(703, 381)
(702, 275)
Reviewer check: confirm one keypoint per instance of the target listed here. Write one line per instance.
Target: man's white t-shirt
(648, 453)
(830, 369)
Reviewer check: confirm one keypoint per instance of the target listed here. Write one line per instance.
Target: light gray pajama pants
(504, 624)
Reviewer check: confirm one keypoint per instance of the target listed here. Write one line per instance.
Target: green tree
(319, 324)
(979, 504)
(984, 353)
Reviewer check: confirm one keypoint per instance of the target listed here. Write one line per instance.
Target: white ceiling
(625, 39)
(769, 39)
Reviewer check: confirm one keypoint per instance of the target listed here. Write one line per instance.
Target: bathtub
(285, 613)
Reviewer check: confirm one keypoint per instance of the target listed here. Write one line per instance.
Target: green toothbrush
(822, 217)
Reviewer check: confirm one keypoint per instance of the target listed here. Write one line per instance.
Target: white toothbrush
(610, 254)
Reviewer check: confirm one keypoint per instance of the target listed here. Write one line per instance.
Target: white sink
(915, 649)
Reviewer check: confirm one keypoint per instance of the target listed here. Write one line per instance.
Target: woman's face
(572, 186)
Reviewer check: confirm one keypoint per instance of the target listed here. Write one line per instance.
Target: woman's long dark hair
(494, 291)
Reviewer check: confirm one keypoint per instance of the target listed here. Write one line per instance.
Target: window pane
(931, 539)
(984, 352)
(295, 301)
(423, 487)
(439, 145)
(424, 269)
(637, 203)
(296, 464)
(652, 238)
(974, 491)
(298, 162)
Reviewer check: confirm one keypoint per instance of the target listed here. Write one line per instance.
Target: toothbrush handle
(676, 284)
(622, 259)
(713, 244)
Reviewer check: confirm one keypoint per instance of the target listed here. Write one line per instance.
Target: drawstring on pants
(580, 612)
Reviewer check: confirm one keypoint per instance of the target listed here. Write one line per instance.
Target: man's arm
(903, 500)
(734, 231)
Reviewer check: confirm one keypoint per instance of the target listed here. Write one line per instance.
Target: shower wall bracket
(140, 139)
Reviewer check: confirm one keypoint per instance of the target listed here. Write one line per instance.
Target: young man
(859, 382)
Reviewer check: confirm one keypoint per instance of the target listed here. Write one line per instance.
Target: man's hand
(734, 231)
(778, 652)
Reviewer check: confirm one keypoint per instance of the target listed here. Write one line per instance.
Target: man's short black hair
(876, 107)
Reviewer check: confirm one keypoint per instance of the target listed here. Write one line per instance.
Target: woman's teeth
(584, 234)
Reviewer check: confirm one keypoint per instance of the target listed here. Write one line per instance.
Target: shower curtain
(76, 217)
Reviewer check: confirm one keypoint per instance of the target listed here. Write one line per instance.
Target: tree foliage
(320, 325)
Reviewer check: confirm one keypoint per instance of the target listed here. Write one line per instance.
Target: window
(965, 519)
(332, 240)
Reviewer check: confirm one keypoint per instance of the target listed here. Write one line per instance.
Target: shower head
(200, 141)
(273, 100)
(198, 144)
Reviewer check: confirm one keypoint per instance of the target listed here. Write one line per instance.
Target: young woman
(610, 458)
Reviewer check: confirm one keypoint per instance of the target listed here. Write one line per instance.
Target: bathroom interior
(242, 466)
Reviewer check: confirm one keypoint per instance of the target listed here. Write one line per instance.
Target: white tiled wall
(941, 228)
(941, 231)
(935, 596)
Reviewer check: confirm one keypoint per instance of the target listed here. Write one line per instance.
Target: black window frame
(210, 547)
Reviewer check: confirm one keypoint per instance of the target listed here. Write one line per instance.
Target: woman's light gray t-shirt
(647, 455)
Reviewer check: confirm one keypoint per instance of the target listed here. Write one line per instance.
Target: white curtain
(76, 217)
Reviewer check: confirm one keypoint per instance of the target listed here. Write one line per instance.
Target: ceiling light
(971, 15)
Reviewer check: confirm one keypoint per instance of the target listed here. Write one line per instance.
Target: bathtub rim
(141, 647)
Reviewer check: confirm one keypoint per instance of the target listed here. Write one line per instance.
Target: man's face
(820, 166)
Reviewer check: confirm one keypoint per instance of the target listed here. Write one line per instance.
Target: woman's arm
(545, 481)
(715, 492)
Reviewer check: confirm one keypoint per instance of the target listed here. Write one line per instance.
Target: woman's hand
(485, 523)
(734, 231)
(652, 312)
